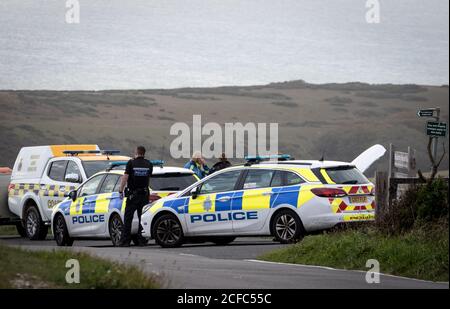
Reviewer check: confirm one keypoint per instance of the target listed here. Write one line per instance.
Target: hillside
(340, 120)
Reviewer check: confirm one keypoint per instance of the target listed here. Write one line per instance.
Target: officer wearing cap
(136, 179)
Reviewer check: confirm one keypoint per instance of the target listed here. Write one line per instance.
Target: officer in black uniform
(136, 178)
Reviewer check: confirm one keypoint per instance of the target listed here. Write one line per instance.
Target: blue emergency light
(159, 163)
(115, 164)
(77, 152)
(256, 159)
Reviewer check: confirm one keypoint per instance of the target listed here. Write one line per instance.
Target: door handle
(224, 199)
(267, 193)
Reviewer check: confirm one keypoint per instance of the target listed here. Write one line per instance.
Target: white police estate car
(95, 209)
(285, 199)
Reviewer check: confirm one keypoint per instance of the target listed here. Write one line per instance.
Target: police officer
(136, 179)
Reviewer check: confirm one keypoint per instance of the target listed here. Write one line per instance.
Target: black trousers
(135, 203)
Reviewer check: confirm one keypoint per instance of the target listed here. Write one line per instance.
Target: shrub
(421, 205)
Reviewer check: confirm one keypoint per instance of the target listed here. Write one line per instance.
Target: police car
(283, 198)
(43, 176)
(95, 209)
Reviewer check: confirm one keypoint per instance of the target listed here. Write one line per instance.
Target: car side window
(117, 186)
(72, 169)
(293, 179)
(258, 179)
(277, 179)
(91, 186)
(220, 183)
(57, 170)
(109, 183)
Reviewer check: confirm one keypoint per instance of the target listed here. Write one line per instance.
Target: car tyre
(60, 231)
(223, 241)
(287, 227)
(115, 229)
(168, 232)
(21, 230)
(34, 226)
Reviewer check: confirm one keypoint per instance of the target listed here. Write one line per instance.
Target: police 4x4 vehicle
(96, 210)
(44, 175)
(283, 198)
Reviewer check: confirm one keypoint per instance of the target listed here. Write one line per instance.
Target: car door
(107, 199)
(253, 202)
(82, 210)
(209, 212)
(51, 183)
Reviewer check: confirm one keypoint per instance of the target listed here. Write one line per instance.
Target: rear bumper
(327, 221)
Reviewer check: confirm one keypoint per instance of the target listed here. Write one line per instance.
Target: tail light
(329, 192)
(11, 186)
(153, 197)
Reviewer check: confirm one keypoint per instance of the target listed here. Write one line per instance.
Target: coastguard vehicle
(95, 210)
(43, 176)
(283, 198)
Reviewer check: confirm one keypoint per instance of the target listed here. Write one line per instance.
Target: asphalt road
(232, 266)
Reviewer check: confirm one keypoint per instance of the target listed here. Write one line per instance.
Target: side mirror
(73, 195)
(72, 178)
(194, 192)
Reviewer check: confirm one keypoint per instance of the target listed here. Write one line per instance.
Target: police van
(95, 209)
(43, 176)
(280, 197)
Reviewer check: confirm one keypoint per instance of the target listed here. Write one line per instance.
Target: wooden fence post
(381, 194)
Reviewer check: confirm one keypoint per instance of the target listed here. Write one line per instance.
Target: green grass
(418, 254)
(8, 230)
(21, 268)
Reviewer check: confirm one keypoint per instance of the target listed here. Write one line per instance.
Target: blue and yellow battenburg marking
(246, 200)
(93, 204)
(20, 189)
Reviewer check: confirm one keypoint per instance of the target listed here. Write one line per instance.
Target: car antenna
(323, 156)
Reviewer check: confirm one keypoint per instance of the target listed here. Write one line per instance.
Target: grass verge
(47, 269)
(420, 253)
(8, 230)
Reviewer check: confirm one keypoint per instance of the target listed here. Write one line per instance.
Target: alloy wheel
(286, 227)
(169, 231)
(32, 223)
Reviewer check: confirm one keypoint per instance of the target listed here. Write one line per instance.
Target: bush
(420, 205)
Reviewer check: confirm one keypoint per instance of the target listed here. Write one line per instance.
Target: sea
(143, 44)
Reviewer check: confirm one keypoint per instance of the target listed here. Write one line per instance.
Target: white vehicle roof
(157, 170)
(31, 161)
(308, 163)
(171, 169)
(362, 162)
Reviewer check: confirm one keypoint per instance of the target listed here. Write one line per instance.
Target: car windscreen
(171, 181)
(92, 167)
(346, 175)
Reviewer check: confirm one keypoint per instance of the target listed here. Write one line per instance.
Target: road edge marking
(340, 269)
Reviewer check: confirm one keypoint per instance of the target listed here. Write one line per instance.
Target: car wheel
(60, 231)
(34, 226)
(21, 230)
(168, 232)
(222, 241)
(287, 227)
(115, 229)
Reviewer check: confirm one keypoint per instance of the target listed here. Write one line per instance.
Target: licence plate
(358, 199)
